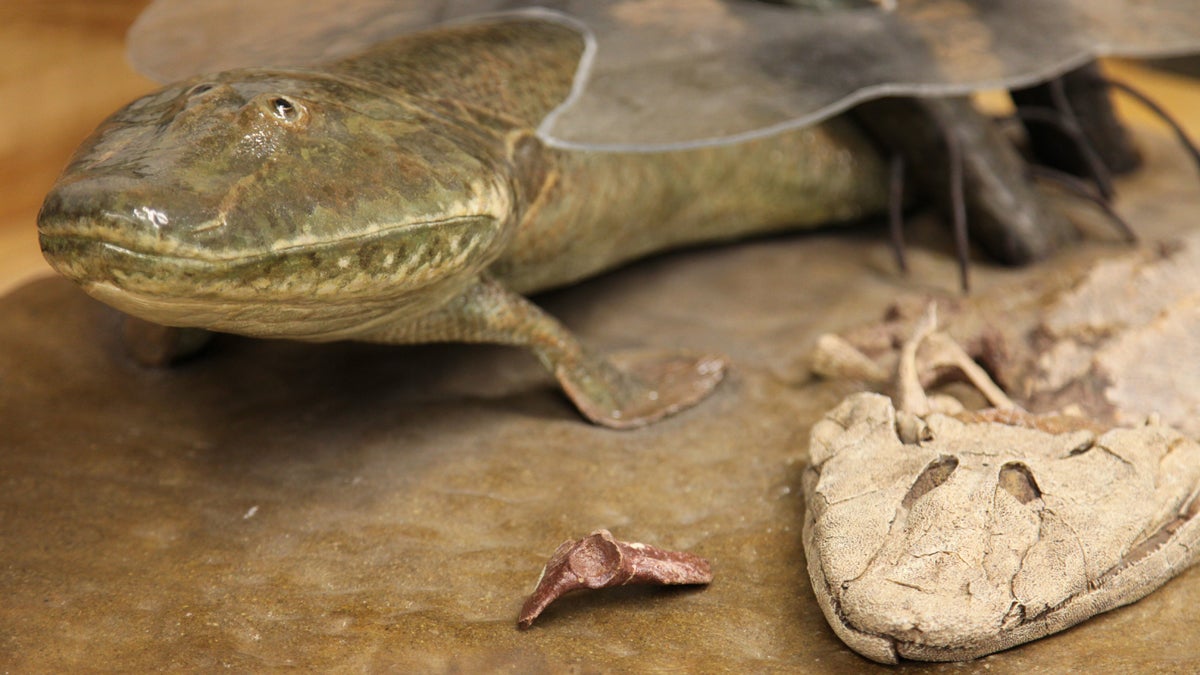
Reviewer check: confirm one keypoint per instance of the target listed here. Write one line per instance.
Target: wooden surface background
(62, 70)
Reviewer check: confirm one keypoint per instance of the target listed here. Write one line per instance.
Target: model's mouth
(244, 298)
(113, 232)
(82, 246)
(304, 290)
(88, 259)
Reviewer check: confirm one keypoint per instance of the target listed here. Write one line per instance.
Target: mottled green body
(401, 195)
(604, 209)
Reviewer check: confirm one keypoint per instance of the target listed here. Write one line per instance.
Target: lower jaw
(192, 294)
(316, 322)
(189, 296)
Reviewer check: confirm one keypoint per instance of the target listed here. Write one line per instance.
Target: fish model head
(277, 203)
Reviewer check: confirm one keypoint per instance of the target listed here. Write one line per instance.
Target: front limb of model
(622, 390)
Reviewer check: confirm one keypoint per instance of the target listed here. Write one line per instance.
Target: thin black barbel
(1162, 114)
(896, 211)
(958, 206)
(1096, 166)
(1081, 189)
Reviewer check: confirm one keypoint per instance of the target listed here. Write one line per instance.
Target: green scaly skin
(402, 196)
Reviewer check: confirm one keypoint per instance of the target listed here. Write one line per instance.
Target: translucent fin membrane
(679, 73)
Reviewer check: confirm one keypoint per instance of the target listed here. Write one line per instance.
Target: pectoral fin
(627, 390)
(636, 387)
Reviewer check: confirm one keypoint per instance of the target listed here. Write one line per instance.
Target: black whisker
(958, 206)
(1083, 190)
(1158, 110)
(1096, 167)
(896, 211)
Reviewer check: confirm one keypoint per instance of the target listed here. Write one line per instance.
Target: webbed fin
(623, 390)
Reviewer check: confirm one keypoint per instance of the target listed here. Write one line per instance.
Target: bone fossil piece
(600, 561)
(986, 530)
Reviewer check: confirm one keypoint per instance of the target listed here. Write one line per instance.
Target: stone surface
(351, 506)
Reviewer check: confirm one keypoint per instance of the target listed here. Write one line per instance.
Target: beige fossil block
(992, 530)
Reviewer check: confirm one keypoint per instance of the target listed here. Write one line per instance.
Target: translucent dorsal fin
(679, 73)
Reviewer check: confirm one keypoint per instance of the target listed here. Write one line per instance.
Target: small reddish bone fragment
(599, 561)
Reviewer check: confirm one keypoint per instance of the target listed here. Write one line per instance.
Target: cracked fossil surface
(991, 529)
(1111, 339)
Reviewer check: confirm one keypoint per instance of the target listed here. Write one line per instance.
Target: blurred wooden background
(63, 69)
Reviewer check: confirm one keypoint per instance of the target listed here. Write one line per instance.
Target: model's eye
(284, 109)
(200, 89)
